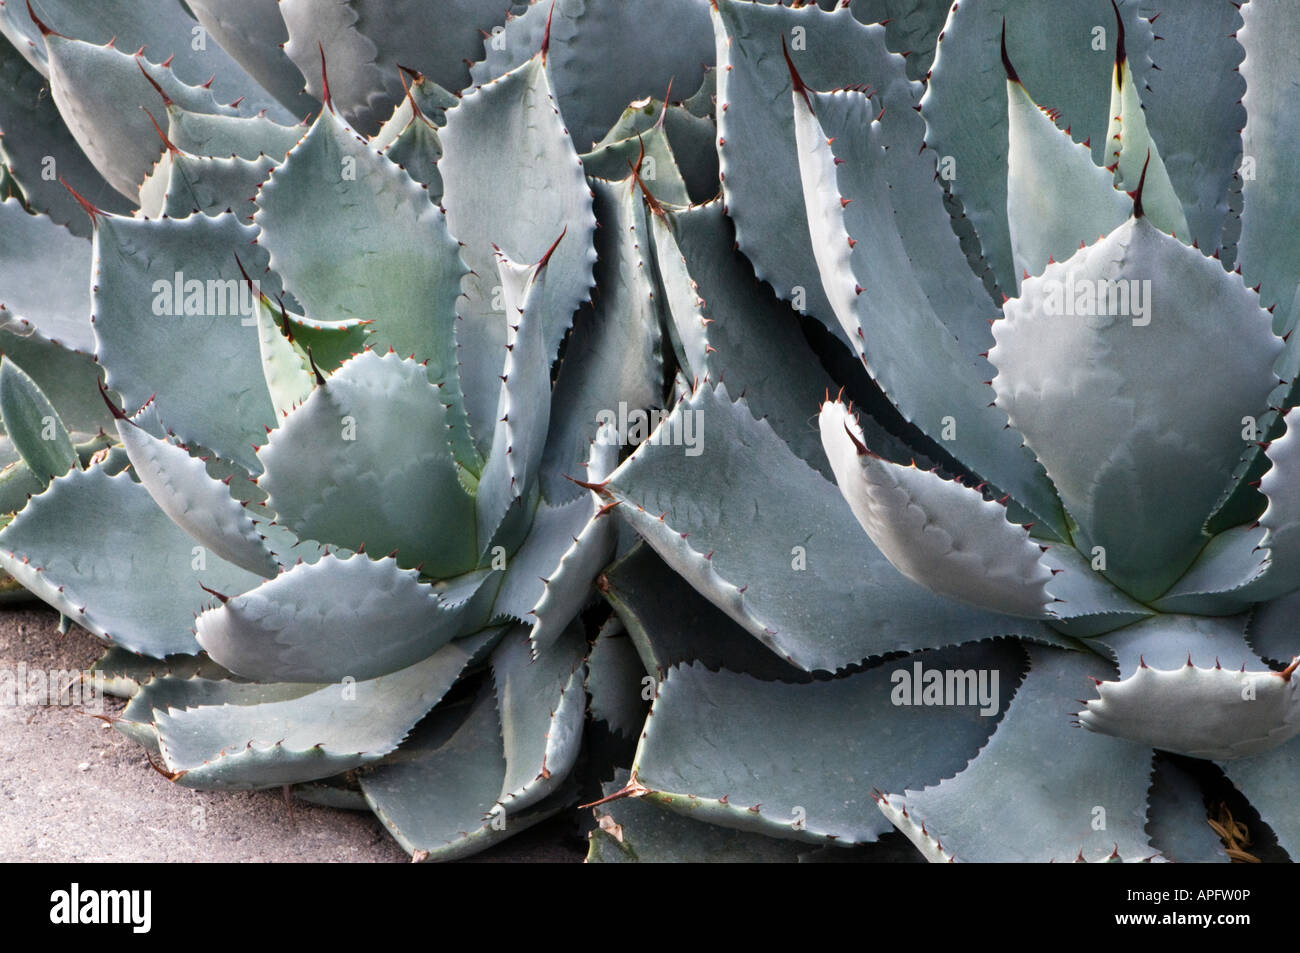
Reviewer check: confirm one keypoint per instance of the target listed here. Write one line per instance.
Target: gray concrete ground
(73, 789)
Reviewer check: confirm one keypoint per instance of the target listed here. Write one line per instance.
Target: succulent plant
(329, 427)
(340, 490)
(1076, 494)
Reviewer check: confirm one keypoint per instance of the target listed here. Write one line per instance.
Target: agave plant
(321, 422)
(340, 486)
(1077, 489)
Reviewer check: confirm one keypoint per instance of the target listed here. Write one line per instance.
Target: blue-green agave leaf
(253, 32)
(37, 149)
(542, 705)
(200, 505)
(288, 733)
(402, 268)
(98, 549)
(1143, 465)
(1269, 248)
(366, 460)
(178, 287)
(588, 46)
(364, 40)
(33, 425)
(873, 285)
(513, 180)
(332, 619)
(437, 795)
(1007, 806)
(613, 357)
(936, 532)
(965, 109)
(809, 775)
(816, 591)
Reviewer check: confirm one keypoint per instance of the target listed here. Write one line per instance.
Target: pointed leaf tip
(94, 213)
(170, 146)
(320, 378)
(795, 79)
(1121, 56)
(546, 37)
(542, 262)
(45, 30)
(1137, 194)
(117, 412)
(1012, 75)
(167, 100)
(223, 599)
(324, 80)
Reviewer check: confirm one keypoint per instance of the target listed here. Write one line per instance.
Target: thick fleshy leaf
(872, 284)
(683, 145)
(194, 501)
(808, 775)
(106, 96)
(542, 705)
(37, 143)
(253, 32)
(509, 477)
(936, 532)
(616, 681)
(669, 623)
(1197, 122)
(288, 375)
(177, 286)
(753, 87)
(1269, 248)
(589, 44)
(43, 279)
(1272, 630)
(1087, 604)
(1143, 464)
(912, 27)
(1260, 562)
(1008, 807)
(330, 620)
(1211, 713)
(1171, 697)
(1057, 197)
(568, 585)
(218, 136)
(438, 794)
(612, 359)
(727, 326)
(363, 40)
(659, 172)
(125, 672)
(513, 180)
(816, 591)
(100, 551)
(636, 830)
(70, 380)
(366, 460)
(965, 107)
(297, 732)
(34, 425)
(1134, 155)
(388, 255)
(410, 136)
(523, 573)
(208, 185)
(167, 31)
